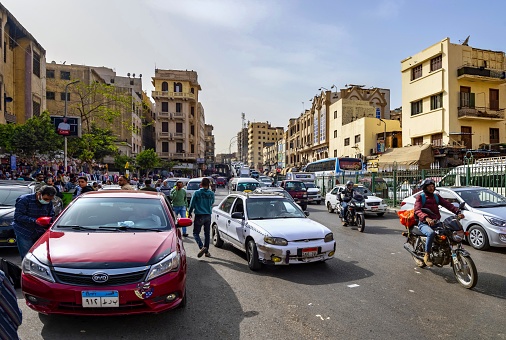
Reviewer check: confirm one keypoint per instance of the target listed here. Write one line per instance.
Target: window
(192, 90)
(179, 148)
(112, 80)
(346, 141)
(436, 102)
(436, 63)
(50, 95)
(416, 72)
(357, 139)
(192, 148)
(335, 133)
(36, 64)
(335, 114)
(416, 107)
(36, 109)
(5, 51)
(65, 75)
(494, 99)
(179, 127)
(178, 87)
(335, 153)
(192, 110)
(165, 106)
(62, 96)
(494, 135)
(165, 146)
(179, 107)
(417, 141)
(50, 74)
(437, 139)
(165, 126)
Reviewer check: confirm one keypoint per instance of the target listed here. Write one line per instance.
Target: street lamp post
(65, 115)
(230, 150)
(384, 135)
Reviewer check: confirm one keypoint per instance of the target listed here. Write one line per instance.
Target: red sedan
(221, 182)
(109, 253)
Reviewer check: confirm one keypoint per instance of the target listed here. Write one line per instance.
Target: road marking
(353, 285)
(412, 291)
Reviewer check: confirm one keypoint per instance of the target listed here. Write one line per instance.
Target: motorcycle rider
(345, 196)
(426, 222)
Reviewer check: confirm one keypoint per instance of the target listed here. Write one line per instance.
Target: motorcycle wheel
(466, 274)
(420, 249)
(361, 223)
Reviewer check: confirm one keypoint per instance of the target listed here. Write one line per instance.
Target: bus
(223, 170)
(328, 170)
(486, 172)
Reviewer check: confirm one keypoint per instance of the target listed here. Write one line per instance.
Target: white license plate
(309, 252)
(374, 208)
(100, 298)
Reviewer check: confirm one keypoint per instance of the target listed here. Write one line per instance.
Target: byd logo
(100, 277)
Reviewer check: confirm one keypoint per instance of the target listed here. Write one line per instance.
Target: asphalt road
(371, 290)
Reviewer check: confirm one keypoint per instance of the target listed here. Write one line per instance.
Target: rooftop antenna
(466, 41)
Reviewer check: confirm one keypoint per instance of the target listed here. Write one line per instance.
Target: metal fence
(394, 186)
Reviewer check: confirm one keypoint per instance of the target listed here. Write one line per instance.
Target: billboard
(67, 126)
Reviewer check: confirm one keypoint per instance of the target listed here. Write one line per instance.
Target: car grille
(373, 204)
(86, 280)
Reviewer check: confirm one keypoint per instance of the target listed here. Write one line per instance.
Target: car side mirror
(238, 215)
(44, 221)
(183, 222)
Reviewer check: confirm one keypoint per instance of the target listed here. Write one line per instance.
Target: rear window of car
(8, 196)
(193, 185)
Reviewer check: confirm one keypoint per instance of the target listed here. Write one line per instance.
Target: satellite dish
(133, 75)
(465, 43)
(128, 74)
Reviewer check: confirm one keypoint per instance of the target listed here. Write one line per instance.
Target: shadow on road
(488, 283)
(212, 312)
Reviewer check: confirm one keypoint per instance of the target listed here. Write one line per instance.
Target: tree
(147, 160)
(169, 165)
(36, 136)
(7, 132)
(95, 145)
(120, 162)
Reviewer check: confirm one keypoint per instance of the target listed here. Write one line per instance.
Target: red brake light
(402, 203)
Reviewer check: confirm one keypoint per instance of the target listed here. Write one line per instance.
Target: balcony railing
(178, 155)
(10, 118)
(482, 73)
(177, 115)
(173, 95)
(480, 113)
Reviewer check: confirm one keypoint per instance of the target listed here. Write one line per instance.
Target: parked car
(108, 253)
(278, 232)
(242, 184)
(297, 190)
(9, 192)
(221, 182)
(485, 213)
(272, 190)
(194, 185)
(373, 204)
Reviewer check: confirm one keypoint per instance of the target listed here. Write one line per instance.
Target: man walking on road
(202, 202)
(179, 202)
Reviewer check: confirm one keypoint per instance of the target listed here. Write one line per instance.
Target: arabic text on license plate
(100, 298)
(310, 252)
(374, 208)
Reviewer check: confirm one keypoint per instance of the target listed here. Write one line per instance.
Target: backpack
(408, 218)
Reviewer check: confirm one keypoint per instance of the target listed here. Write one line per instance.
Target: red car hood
(103, 249)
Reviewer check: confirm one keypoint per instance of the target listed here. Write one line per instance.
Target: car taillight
(402, 203)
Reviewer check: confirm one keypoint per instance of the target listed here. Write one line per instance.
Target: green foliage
(95, 145)
(7, 132)
(147, 159)
(121, 160)
(36, 136)
(168, 165)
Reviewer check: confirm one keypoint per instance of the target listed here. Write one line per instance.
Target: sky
(266, 58)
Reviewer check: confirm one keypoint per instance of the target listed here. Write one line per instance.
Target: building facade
(242, 145)
(22, 72)
(180, 132)
(210, 147)
(454, 95)
(258, 135)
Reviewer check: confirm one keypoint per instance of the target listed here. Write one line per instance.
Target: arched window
(178, 87)
(192, 90)
(165, 86)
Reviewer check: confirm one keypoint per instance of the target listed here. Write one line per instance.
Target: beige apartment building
(180, 131)
(454, 95)
(258, 135)
(127, 127)
(210, 146)
(22, 70)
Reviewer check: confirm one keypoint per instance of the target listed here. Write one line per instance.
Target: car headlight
(329, 237)
(495, 221)
(382, 202)
(458, 236)
(5, 222)
(278, 241)
(34, 267)
(304, 196)
(168, 264)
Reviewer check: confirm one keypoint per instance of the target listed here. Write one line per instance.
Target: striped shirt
(28, 209)
(10, 314)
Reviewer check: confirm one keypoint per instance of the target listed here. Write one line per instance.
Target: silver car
(485, 213)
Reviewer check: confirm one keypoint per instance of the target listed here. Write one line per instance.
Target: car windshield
(250, 186)
(310, 185)
(482, 198)
(8, 196)
(193, 185)
(263, 208)
(106, 212)
(361, 190)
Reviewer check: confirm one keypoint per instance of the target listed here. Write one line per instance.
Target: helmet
(349, 183)
(426, 182)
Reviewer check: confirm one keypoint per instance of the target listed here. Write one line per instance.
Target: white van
(243, 184)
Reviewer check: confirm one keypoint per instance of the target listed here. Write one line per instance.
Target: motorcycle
(355, 213)
(446, 249)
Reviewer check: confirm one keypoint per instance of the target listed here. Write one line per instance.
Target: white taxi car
(271, 229)
(373, 204)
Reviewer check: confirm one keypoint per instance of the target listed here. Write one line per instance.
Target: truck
(244, 172)
(297, 190)
(309, 178)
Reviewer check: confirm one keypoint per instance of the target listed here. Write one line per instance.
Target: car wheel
(329, 208)
(183, 301)
(252, 255)
(380, 214)
(478, 238)
(217, 241)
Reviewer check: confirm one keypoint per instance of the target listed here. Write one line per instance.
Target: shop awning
(420, 155)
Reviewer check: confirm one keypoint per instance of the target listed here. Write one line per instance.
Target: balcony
(480, 113)
(173, 95)
(191, 118)
(482, 74)
(164, 135)
(177, 115)
(178, 155)
(178, 135)
(163, 115)
(10, 118)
